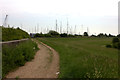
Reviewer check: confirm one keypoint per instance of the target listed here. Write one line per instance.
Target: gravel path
(44, 65)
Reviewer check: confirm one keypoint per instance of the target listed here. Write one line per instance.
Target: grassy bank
(14, 56)
(13, 34)
(85, 57)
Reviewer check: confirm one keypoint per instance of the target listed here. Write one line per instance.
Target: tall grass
(85, 57)
(14, 56)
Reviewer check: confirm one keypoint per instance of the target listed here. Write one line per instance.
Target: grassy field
(85, 57)
(16, 55)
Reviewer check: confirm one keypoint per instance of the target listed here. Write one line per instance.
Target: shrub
(63, 35)
(93, 35)
(115, 45)
(47, 35)
(115, 40)
(70, 35)
(16, 55)
(39, 35)
(53, 33)
(108, 46)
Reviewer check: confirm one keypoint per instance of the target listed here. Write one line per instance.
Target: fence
(13, 42)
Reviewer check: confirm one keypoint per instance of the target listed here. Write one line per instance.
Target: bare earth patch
(44, 65)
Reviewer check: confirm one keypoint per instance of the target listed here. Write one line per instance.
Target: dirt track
(44, 65)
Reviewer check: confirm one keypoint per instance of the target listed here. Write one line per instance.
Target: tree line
(53, 33)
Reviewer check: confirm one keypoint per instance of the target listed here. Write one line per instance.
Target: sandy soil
(44, 65)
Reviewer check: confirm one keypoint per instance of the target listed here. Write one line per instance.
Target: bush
(70, 35)
(108, 46)
(53, 33)
(47, 35)
(115, 40)
(93, 36)
(63, 35)
(39, 35)
(116, 45)
(14, 56)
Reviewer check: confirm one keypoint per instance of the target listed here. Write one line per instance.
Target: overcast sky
(100, 16)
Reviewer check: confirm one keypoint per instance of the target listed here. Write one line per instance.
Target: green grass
(85, 57)
(13, 34)
(16, 55)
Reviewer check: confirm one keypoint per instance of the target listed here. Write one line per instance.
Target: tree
(63, 35)
(53, 33)
(106, 35)
(118, 35)
(36, 35)
(100, 35)
(85, 34)
(93, 35)
(110, 35)
(18, 28)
